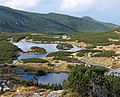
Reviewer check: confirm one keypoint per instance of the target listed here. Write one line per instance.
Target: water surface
(51, 78)
(25, 46)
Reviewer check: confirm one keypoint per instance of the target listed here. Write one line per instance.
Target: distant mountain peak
(88, 18)
(52, 13)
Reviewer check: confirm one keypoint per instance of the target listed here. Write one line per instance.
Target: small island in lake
(37, 50)
(64, 46)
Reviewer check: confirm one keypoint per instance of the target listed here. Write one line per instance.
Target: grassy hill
(19, 21)
(102, 38)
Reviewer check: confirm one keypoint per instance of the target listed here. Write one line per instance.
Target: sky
(103, 10)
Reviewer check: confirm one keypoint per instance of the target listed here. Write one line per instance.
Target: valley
(100, 58)
(57, 55)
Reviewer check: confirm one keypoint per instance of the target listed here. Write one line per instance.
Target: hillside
(103, 38)
(8, 52)
(84, 24)
(19, 21)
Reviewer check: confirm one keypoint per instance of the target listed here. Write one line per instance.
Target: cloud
(20, 4)
(110, 5)
(79, 5)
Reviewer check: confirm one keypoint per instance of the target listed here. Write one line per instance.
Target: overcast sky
(103, 10)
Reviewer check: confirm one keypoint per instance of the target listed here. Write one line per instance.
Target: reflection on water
(51, 78)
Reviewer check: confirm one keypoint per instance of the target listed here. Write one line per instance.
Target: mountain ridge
(12, 20)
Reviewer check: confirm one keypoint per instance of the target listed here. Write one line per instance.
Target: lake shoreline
(25, 45)
(49, 78)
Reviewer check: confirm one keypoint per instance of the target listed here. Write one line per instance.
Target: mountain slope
(14, 21)
(19, 21)
(84, 24)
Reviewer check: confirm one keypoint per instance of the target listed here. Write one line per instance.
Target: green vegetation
(82, 53)
(90, 47)
(89, 83)
(83, 68)
(51, 65)
(63, 56)
(34, 60)
(59, 53)
(40, 73)
(67, 59)
(46, 38)
(34, 82)
(107, 54)
(82, 81)
(18, 21)
(15, 37)
(101, 39)
(84, 24)
(8, 52)
(39, 50)
(64, 46)
(97, 53)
